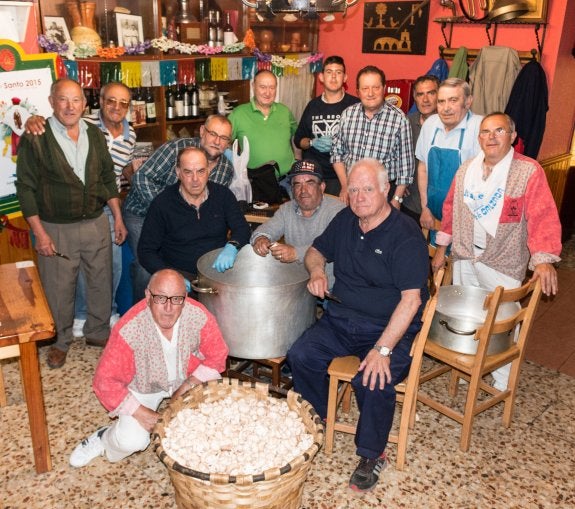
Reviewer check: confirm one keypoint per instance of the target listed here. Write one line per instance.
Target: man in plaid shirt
(374, 129)
(159, 171)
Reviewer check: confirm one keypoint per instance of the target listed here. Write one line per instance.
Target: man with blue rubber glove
(191, 218)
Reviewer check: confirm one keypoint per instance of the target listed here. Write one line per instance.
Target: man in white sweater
(300, 220)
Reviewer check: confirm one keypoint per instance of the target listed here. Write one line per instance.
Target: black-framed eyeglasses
(176, 300)
(214, 134)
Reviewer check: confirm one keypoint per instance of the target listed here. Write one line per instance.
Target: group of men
(496, 210)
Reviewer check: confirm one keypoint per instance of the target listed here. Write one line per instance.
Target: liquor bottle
(219, 30)
(170, 104)
(179, 103)
(150, 107)
(229, 36)
(195, 101)
(187, 102)
(212, 29)
(94, 102)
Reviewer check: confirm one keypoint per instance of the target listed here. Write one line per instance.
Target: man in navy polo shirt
(381, 267)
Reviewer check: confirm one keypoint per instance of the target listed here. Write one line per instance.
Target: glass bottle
(179, 103)
(229, 36)
(150, 107)
(212, 29)
(170, 104)
(187, 102)
(219, 30)
(195, 101)
(94, 102)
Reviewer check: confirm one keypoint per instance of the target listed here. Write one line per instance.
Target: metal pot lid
(252, 270)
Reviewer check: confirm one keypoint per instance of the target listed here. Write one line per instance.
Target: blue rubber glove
(322, 144)
(229, 154)
(226, 258)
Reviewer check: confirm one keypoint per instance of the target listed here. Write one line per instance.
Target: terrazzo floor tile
(528, 465)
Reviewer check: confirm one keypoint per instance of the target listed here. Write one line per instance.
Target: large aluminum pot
(460, 312)
(262, 305)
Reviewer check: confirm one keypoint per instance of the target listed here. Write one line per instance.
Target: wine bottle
(195, 101)
(229, 36)
(212, 29)
(179, 103)
(170, 104)
(150, 107)
(94, 102)
(219, 30)
(187, 102)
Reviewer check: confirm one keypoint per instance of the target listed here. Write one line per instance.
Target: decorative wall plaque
(395, 27)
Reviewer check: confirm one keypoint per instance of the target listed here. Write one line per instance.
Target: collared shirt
(76, 152)
(121, 148)
(159, 171)
(385, 137)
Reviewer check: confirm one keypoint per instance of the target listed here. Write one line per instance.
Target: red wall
(343, 37)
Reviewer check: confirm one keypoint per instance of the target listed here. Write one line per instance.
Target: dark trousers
(331, 337)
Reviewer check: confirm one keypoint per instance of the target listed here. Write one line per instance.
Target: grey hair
(379, 168)
(510, 121)
(457, 82)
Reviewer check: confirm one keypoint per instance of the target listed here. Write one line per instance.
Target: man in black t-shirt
(320, 120)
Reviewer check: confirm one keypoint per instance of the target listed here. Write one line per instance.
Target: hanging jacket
(491, 77)
(528, 105)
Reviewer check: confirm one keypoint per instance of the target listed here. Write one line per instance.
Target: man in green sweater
(64, 179)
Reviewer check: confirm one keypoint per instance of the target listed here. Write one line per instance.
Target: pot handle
(451, 329)
(202, 289)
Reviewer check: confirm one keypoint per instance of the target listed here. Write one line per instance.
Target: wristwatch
(399, 199)
(384, 351)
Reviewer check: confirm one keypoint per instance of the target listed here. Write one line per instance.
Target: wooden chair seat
(474, 367)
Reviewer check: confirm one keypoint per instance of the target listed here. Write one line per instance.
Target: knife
(331, 296)
(56, 253)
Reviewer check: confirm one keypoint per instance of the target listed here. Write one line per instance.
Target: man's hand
(35, 125)
(146, 417)
(317, 284)
(426, 220)
(262, 245)
(548, 277)
(120, 231)
(283, 252)
(322, 144)
(343, 196)
(395, 204)
(438, 260)
(373, 366)
(44, 245)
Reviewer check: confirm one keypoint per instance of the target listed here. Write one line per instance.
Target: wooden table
(24, 319)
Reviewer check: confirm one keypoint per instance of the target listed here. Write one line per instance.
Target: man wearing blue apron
(446, 140)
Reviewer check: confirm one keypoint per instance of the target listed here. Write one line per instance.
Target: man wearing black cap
(300, 220)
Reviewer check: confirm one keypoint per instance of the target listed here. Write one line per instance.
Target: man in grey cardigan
(300, 220)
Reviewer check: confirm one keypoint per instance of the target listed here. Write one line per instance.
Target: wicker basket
(276, 488)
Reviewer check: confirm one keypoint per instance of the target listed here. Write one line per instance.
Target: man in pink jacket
(160, 348)
(500, 219)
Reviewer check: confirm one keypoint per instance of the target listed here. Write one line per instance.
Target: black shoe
(366, 474)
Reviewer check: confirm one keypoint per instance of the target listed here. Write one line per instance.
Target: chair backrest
(523, 317)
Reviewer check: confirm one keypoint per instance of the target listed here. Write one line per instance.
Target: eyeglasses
(176, 300)
(214, 134)
(114, 103)
(498, 133)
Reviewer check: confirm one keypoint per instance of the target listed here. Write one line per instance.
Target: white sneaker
(114, 319)
(88, 449)
(499, 385)
(78, 328)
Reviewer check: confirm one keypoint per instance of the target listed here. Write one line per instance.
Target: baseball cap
(305, 167)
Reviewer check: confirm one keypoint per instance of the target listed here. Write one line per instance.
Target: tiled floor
(529, 465)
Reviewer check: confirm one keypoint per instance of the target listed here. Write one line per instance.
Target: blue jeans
(139, 275)
(80, 308)
(334, 336)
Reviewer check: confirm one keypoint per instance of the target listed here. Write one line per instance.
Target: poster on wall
(395, 27)
(24, 89)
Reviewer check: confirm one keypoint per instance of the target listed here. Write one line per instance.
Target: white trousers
(126, 436)
(469, 273)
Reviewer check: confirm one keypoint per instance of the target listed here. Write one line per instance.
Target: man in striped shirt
(374, 129)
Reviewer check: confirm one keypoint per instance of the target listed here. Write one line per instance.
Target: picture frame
(56, 30)
(537, 11)
(130, 30)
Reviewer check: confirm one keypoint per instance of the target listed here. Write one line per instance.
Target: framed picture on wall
(395, 27)
(55, 29)
(537, 11)
(130, 30)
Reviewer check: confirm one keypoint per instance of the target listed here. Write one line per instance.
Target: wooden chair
(6, 352)
(448, 277)
(342, 369)
(473, 367)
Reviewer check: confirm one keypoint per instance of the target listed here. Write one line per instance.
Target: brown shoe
(56, 358)
(100, 343)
